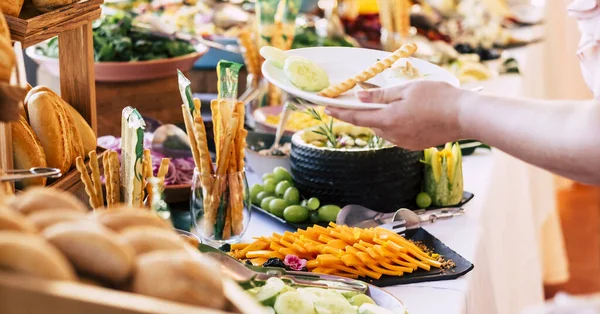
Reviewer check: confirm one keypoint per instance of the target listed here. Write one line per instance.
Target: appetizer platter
(334, 72)
(375, 255)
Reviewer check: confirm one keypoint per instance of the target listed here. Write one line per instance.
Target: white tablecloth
(498, 234)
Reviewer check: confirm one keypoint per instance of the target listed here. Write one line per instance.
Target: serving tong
(37, 172)
(252, 275)
(399, 221)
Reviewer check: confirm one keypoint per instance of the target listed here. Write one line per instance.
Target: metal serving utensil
(285, 114)
(405, 219)
(242, 274)
(37, 172)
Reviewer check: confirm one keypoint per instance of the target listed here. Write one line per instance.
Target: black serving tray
(467, 196)
(462, 267)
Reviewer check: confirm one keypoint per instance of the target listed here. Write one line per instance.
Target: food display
(443, 180)
(278, 196)
(123, 248)
(286, 299)
(220, 191)
(342, 251)
(50, 133)
(116, 41)
(298, 120)
(328, 163)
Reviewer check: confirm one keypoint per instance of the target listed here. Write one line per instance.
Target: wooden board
(44, 26)
(24, 295)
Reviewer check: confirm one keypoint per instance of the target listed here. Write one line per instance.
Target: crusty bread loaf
(191, 280)
(49, 121)
(27, 151)
(30, 254)
(11, 7)
(44, 219)
(4, 30)
(93, 249)
(11, 220)
(86, 133)
(42, 199)
(7, 59)
(149, 239)
(120, 218)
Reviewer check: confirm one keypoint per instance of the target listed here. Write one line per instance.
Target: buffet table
(499, 234)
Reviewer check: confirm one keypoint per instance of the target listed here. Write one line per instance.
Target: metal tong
(37, 172)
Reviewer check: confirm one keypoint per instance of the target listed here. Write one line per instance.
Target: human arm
(559, 136)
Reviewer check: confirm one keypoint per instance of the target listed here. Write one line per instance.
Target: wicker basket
(381, 179)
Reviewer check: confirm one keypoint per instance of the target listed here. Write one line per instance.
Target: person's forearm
(560, 136)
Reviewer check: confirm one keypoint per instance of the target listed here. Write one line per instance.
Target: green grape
(277, 206)
(313, 203)
(282, 187)
(254, 190)
(267, 176)
(264, 204)
(282, 174)
(423, 200)
(328, 213)
(269, 185)
(295, 213)
(292, 195)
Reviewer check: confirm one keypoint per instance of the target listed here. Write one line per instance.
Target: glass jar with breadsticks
(394, 16)
(220, 205)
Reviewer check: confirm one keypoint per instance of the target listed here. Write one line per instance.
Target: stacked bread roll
(50, 133)
(49, 234)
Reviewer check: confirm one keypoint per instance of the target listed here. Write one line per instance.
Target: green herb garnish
(325, 129)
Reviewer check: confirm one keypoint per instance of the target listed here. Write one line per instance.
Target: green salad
(306, 36)
(115, 41)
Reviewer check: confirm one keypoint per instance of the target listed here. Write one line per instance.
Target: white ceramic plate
(342, 63)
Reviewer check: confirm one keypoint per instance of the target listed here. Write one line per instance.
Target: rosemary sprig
(325, 129)
(375, 142)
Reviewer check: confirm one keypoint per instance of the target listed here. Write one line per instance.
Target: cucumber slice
(333, 306)
(274, 55)
(361, 299)
(305, 74)
(368, 308)
(253, 291)
(294, 303)
(269, 310)
(318, 293)
(267, 293)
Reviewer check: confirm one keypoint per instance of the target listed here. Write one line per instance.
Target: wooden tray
(47, 25)
(21, 294)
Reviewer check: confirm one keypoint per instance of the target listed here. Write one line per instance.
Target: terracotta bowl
(126, 71)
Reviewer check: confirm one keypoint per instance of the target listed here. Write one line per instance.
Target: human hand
(420, 114)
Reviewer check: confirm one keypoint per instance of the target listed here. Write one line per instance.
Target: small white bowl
(259, 164)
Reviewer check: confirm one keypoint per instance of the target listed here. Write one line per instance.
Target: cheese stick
(114, 167)
(381, 65)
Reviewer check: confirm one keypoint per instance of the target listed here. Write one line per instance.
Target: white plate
(342, 63)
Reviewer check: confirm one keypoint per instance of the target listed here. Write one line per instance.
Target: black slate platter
(462, 265)
(467, 196)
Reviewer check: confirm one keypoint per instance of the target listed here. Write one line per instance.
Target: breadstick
(96, 177)
(277, 36)
(87, 182)
(147, 173)
(163, 168)
(216, 122)
(227, 227)
(115, 179)
(107, 177)
(206, 166)
(189, 127)
(250, 52)
(381, 65)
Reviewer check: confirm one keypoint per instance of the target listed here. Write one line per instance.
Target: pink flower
(294, 262)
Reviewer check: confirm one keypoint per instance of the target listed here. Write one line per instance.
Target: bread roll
(149, 239)
(11, 7)
(27, 151)
(44, 219)
(32, 255)
(118, 219)
(38, 199)
(11, 220)
(4, 30)
(88, 136)
(50, 5)
(49, 121)
(7, 59)
(176, 276)
(93, 249)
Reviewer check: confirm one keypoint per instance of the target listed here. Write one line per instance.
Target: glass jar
(220, 207)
